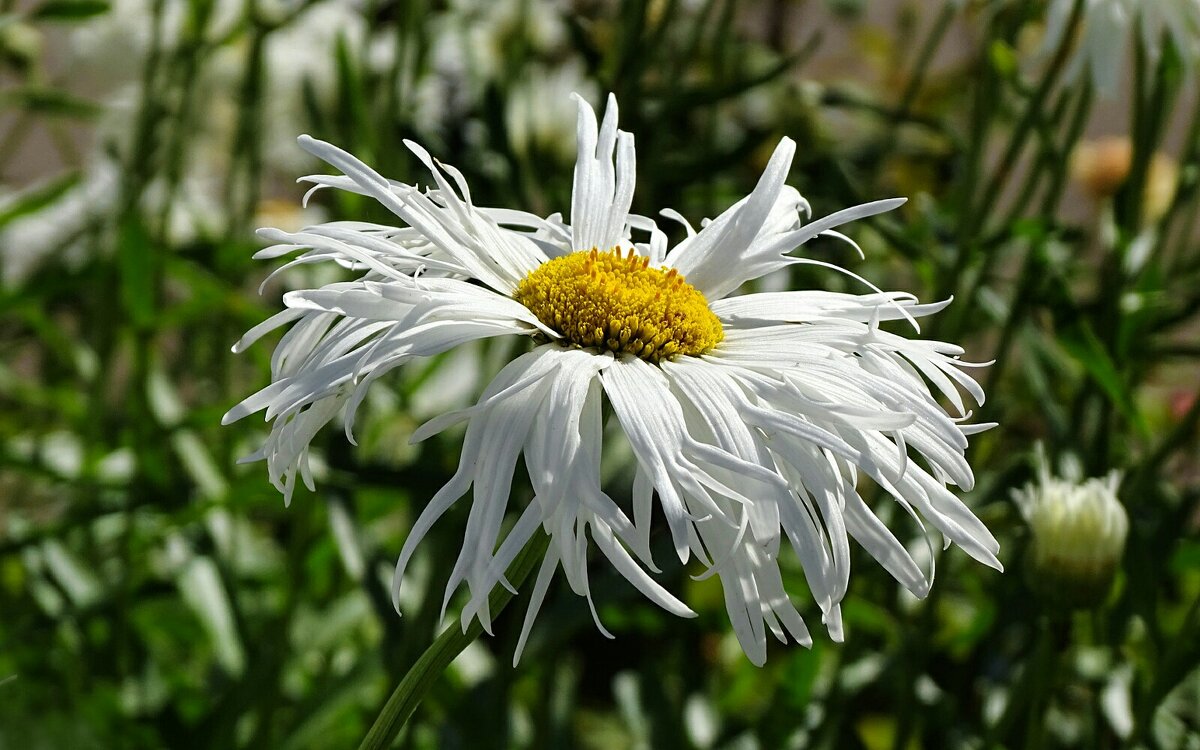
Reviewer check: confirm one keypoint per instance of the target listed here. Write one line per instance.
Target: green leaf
(688, 97)
(1187, 557)
(49, 102)
(802, 669)
(69, 10)
(134, 258)
(431, 664)
(1081, 341)
(353, 109)
(36, 199)
(1004, 58)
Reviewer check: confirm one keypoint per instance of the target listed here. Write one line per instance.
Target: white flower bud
(1079, 530)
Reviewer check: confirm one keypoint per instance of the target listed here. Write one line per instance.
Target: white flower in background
(491, 28)
(1107, 25)
(108, 54)
(751, 417)
(539, 114)
(1079, 529)
(110, 50)
(299, 54)
(58, 230)
(470, 48)
(64, 230)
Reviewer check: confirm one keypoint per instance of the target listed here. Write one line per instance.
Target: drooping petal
(468, 237)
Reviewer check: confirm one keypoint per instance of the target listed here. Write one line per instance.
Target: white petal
(601, 193)
(709, 257)
(653, 423)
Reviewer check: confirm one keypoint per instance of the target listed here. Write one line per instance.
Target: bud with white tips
(1079, 529)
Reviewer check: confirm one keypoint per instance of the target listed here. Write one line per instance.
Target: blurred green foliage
(155, 594)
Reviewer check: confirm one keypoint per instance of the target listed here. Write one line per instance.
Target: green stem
(431, 664)
(1175, 665)
(1053, 158)
(936, 34)
(975, 213)
(1029, 695)
(1154, 96)
(1184, 198)
(1026, 284)
(1030, 117)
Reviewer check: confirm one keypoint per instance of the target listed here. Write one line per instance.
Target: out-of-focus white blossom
(1108, 25)
(540, 115)
(1079, 529)
(58, 230)
(297, 55)
(470, 47)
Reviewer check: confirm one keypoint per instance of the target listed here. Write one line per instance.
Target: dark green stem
(1178, 660)
(940, 25)
(976, 212)
(431, 664)
(1029, 695)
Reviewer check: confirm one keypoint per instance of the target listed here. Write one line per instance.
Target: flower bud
(1101, 166)
(1078, 536)
(1162, 178)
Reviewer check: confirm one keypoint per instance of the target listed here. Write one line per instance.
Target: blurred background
(153, 593)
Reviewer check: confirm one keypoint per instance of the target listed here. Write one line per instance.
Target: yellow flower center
(617, 302)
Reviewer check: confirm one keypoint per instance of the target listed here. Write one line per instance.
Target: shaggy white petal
(455, 228)
(806, 306)
(653, 422)
(602, 191)
(707, 259)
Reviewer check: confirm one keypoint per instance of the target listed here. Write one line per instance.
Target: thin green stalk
(983, 105)
(1030, 117)
(1028, 695)
(1177, 263)
(14, 137)
(1027, 278)
(141, 148)
(1181, 654)
(1044, 668)
(1155, 92)
(916, 655)
(1052, 158)
(431, 664)
(1019, 305)
(1047, 159)
(975, 213)
(1054, 193)
(915, 80)
(181, 126)
(1184, 198)
(1177, 438)
(245, 173)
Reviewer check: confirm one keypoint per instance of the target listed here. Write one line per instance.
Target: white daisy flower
(751, 417)
(1107, 26)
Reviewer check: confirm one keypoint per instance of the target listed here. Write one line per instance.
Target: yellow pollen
(617, 302)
